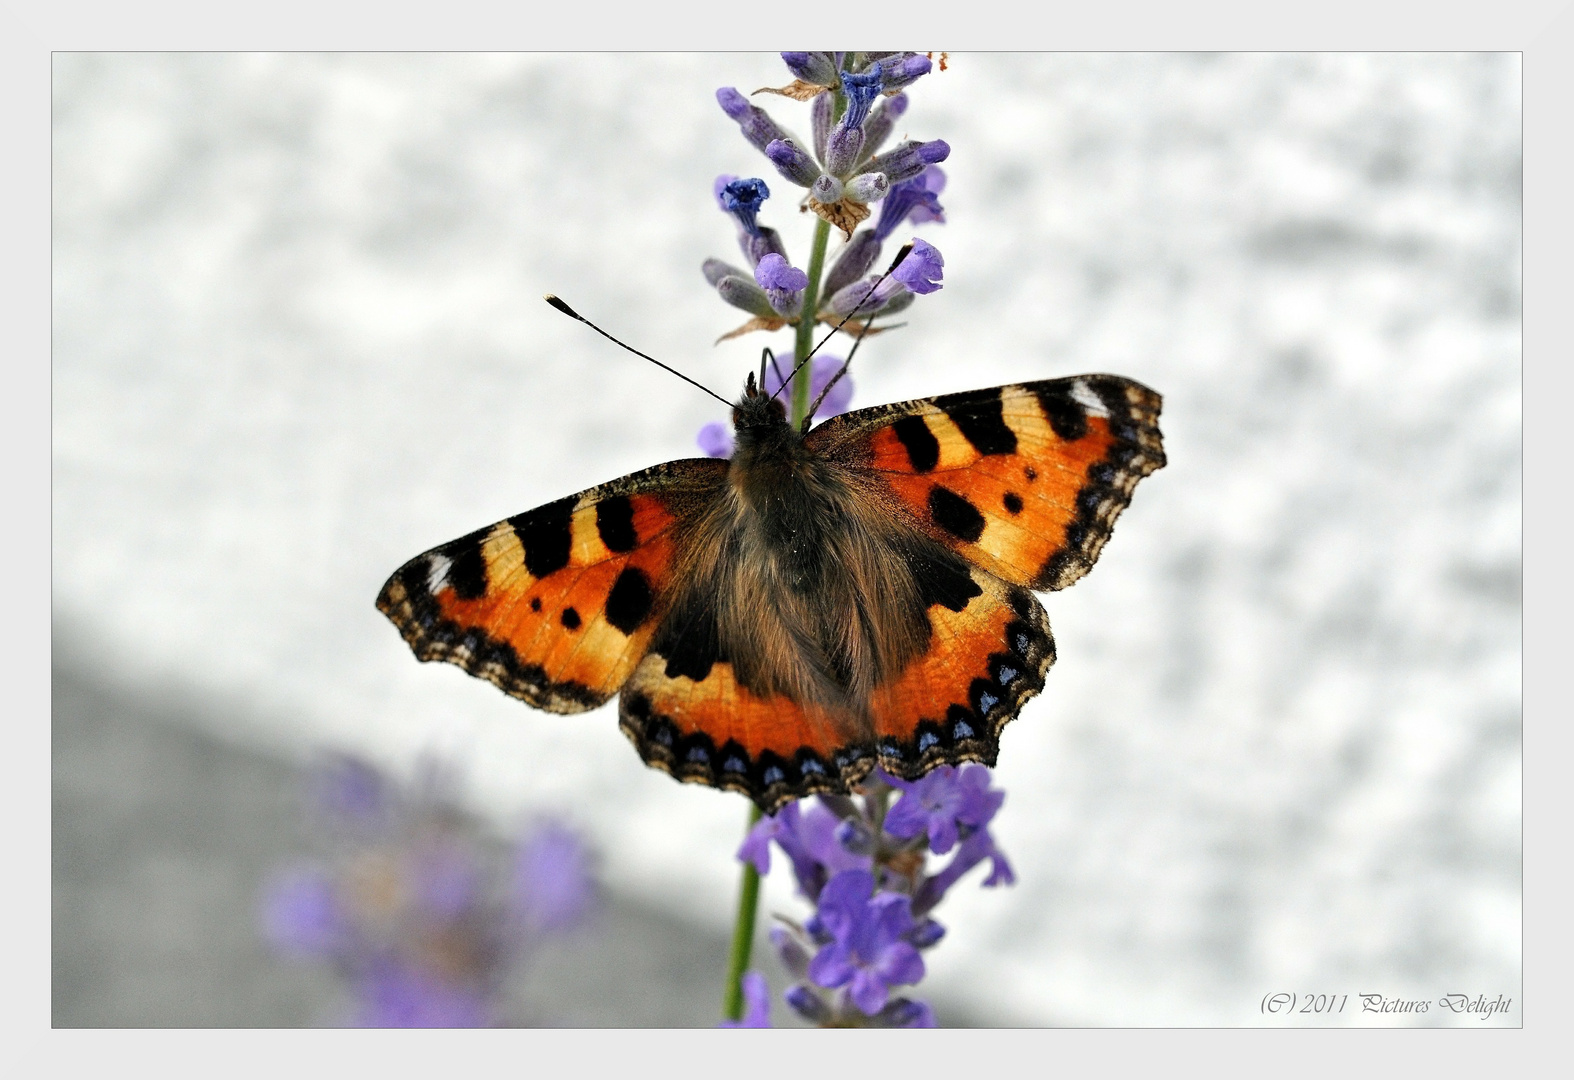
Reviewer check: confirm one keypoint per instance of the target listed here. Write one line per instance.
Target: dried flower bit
(844, 214)
(751, 326)
(798, 90)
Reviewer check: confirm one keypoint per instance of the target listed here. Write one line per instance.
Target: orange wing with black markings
(556, 606)
(1025, 481)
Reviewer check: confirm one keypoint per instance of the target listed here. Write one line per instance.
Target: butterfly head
(759, 419)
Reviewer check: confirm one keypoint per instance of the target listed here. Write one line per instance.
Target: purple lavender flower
(742, 199)
(756, 1003)
(942, 802)
(868, 953)
(861, 88)
(915, 200)
(973, 850)
(783, 284)
(922, 269)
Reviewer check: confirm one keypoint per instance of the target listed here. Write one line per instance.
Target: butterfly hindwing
(1024, 480)
(557, 605)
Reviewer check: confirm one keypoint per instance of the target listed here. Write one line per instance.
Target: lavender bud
(901, 70)
(868, 187)
(762, 243)
(827, 188)
(716, 269)
(792, 162)
(842, 148)
(753, 121)
(795, 958)
(856, 258)
(745, 294)
(812, 67)
(854, 836)
(909, 159)
(807, 1004)
(882, 121)
(820, 110)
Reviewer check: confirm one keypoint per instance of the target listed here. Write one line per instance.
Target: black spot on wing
(979, 416)
(689, 641)
(955, 514)
(546, 536)
(535, 603)
(630, 601)
(467, 572)
(615, 523)
(1065, 413)
(923, 449)
(570, 619)
(942, 576)
(1012, 502)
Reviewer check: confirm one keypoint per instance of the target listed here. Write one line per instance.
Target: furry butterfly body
(780, 623)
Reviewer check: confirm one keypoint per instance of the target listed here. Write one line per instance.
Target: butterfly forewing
(1024, 480)
(556, 606)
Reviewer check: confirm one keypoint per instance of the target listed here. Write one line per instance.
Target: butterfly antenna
(809, 416)
(900, 255)
(571, 313)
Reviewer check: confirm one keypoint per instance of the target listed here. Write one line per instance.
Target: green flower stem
(749, 887)
(742, 933)
(811, 303)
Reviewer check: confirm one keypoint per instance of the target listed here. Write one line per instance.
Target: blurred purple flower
(421, 914)
(394, 996)
(300, 913)
(553, 886)
(756, 1003)
(715, 438)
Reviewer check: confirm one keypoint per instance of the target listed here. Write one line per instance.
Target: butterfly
(825, 601)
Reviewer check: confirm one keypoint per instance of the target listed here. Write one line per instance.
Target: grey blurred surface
(163, 837)
(298, 340)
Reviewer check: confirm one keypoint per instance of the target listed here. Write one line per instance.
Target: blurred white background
(298, 339)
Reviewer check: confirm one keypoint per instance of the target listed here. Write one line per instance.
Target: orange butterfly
(781, 622)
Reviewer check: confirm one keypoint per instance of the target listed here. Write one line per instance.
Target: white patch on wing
(437, 571)
(1083, 395)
